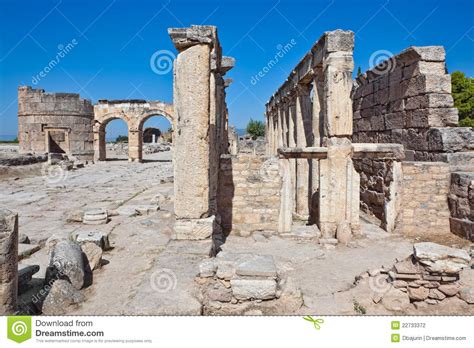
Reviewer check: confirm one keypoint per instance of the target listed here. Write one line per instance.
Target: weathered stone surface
(218, 292)
(436, 295)
(66, 262)
(257, 266)
(96, 216)
(439, 258)
(99, 238)
(8, 261)
(54, 123)
(207, 268)
(395, 300)
(449, 289)
(195, 228)
(258, 289)
(61, 297)
(467, 294)
(418, 294)
(93, 254)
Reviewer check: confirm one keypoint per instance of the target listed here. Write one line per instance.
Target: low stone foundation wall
(461, 204)
(380, 182)
(249, 193)
(424, 206)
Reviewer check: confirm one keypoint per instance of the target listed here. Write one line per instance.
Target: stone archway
(134, 113)
(100, 123)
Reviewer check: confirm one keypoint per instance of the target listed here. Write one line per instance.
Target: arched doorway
(116, 138)
(111, 137)
(156, 132)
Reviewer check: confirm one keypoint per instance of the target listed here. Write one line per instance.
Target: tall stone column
(197, 91)
(338, 177)
(8, 261)
(304, 138)
(290, 106)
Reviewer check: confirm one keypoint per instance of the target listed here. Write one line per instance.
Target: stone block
(257, 266)
(195, 229)
(256, 289)
(98, 238)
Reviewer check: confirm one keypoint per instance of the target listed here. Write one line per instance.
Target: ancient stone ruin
(325, 214)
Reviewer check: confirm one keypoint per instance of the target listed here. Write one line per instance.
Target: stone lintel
(303, 152)
(184, 38)
(378, 151)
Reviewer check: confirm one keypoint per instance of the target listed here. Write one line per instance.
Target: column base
(196, 229)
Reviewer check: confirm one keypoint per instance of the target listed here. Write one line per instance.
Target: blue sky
(114, 42)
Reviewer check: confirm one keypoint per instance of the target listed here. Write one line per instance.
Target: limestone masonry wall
(55, 122)
(249, 193)
(424, 206)
(380, 182)
(407, 100)
(461, 204)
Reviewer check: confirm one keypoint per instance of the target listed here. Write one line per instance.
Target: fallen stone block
(62, 297)
(93, 254)
(256, 289)
(440, 258)
(66, 262)
(99, 238)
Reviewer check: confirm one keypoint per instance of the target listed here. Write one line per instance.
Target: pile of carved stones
(71, 263)
(427, 277)
(241, 283)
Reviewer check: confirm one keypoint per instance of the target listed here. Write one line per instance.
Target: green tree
(359, 71)
(122, 139)
(463, 95)
(256, 128)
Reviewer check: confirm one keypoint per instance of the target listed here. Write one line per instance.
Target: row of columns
(316, 111)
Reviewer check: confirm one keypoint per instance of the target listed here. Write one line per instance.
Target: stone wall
(8, 261)
(380, 182)
(249, 193)
(407, 100)
(55, 122)
(424, 190)
(461, 204)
